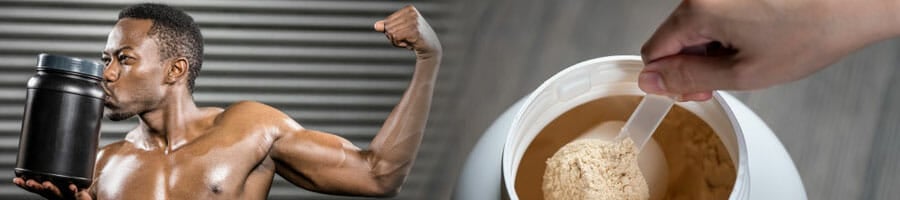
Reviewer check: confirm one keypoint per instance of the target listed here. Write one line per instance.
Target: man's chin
(117, 116)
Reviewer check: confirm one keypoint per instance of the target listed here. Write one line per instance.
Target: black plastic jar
(61, 125)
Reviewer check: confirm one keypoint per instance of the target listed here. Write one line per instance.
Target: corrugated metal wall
(318, 61)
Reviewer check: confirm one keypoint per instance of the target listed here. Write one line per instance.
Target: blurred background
(320, 62)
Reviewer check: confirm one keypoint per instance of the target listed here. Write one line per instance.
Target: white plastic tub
(774, 176)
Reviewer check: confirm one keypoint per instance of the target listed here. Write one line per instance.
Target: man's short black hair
(175, 32)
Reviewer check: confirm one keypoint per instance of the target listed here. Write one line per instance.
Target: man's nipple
(215, 188)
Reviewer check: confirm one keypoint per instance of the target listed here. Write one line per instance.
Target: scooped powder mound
(595, 169)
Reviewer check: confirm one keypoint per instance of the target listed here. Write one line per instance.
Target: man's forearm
(396, 145)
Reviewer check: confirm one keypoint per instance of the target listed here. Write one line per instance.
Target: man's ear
(176, 70)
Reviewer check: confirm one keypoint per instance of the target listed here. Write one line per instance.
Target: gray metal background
(319, 61)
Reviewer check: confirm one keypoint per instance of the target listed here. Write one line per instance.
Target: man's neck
(174, 123)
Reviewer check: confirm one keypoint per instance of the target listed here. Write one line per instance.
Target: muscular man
(180, 151)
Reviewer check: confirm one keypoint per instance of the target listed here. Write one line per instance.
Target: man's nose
(111, 74)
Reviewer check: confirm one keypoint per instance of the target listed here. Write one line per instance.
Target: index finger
(679, 31)
(21, 183)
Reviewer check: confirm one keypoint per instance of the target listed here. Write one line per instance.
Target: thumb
(685, 74)
(80, 194)
(379, 26)
(83, 196)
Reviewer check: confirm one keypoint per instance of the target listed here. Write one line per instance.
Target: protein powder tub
(61, 124)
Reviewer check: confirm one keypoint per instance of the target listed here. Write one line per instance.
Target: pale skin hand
(708, 45)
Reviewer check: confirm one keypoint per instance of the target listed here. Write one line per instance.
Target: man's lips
(108, 101)
(107, 96)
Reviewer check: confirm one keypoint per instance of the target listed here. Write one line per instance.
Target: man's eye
(123, 58)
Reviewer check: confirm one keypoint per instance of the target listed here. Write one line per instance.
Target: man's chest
(206, 169)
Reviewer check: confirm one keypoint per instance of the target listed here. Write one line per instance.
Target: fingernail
(654, 66)
(651, 82)
(700, 96)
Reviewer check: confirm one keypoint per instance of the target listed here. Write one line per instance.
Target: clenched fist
(406, 28)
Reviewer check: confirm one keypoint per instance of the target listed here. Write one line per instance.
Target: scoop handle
(646, 118)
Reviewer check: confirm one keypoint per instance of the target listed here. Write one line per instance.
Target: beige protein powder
(595, 169)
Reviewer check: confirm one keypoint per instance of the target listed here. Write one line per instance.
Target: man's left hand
(406, 28)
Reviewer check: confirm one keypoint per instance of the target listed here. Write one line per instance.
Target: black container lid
(71, 64)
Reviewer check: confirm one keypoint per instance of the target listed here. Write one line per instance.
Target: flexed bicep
(326, 163)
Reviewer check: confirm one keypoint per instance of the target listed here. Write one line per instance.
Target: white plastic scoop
(640, 127)
(645, 119)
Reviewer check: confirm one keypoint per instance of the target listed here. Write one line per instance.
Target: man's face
(133, 79)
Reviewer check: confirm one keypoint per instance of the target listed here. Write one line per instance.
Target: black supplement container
(61, 125)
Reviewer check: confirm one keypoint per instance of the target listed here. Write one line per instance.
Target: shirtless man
(180, 151)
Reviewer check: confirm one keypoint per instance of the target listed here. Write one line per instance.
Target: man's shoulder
(252, 111)
(115, 146)
(249, 109)
(248, 105)
(105, 152)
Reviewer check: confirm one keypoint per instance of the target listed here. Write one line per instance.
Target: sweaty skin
(180, 151)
